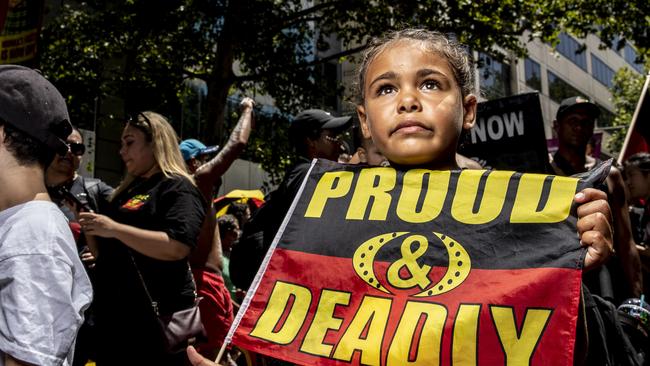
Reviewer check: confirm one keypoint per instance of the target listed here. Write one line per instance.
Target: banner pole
(622, 155)
(221, 352)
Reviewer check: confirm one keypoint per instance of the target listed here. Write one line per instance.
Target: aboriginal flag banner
(377, 266)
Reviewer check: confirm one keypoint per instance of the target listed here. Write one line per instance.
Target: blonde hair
(164, 143)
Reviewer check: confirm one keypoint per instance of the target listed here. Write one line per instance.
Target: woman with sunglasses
(142, 244)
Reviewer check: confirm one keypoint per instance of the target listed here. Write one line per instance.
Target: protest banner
(20, 23)
(376, 266)
(638, 133)
(509, 135)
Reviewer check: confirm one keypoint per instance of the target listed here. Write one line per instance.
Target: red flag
(638, 134)
(383, 267)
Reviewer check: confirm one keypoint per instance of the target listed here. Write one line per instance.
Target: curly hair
(455, 53)
(26, 149)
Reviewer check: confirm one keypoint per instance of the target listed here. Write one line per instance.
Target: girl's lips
(408, 127)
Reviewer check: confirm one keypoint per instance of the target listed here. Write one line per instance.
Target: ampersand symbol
(418, 274)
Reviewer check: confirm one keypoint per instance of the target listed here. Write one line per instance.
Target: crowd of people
(107, 264)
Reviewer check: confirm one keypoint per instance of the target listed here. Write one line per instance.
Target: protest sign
(377, 266)
(509, 135)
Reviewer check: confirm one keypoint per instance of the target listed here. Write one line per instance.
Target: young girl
(418, 95)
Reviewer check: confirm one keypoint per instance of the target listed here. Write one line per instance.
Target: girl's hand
(196, 359)
(595, 227)
(98, 225)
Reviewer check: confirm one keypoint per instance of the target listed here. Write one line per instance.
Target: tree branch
(307, 11)
(296, 17)
(351, 51)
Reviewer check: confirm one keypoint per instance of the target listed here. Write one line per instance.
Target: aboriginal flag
(377, 266)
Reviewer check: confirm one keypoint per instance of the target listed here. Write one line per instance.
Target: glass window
(601, 72)
(606, 118)
(494, 77)
(533, 74)
(571, 49)
(629, 54)
(559, 89)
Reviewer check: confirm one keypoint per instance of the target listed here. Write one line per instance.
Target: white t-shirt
(44, 288)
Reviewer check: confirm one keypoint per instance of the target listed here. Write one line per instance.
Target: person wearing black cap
(45, 289)
(574, 125)
(314, 133)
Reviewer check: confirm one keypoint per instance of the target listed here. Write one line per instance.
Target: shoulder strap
(154, 304)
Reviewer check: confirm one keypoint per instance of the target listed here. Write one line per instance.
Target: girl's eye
(385, 89)
(430, 85)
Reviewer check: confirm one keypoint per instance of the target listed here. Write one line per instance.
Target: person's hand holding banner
(594, 227)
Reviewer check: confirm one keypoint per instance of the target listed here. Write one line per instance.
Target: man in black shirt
(314, 133)
(574, 125)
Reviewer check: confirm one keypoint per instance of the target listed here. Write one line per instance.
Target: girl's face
(637, 182)
(413, 108)
(137, 153)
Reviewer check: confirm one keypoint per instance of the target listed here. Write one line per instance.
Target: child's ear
(365, 129)
(469, 108)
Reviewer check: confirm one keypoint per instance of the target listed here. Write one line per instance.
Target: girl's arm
(154, 244)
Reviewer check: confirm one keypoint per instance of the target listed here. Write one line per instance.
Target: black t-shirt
(172, 205)
(258, 233)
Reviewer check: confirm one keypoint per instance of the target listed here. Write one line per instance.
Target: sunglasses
(144, 125)
(134, 120)
(77, 148)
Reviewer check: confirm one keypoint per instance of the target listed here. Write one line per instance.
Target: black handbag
(181, 328)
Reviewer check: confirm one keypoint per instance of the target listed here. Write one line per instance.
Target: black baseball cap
(573, 103)
(34, 106)
(317, 119)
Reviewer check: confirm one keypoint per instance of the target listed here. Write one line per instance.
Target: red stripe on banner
(521, 314)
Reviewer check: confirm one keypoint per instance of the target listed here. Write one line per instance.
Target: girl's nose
(409, 103)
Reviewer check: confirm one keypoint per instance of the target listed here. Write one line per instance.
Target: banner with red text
(376, 266)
